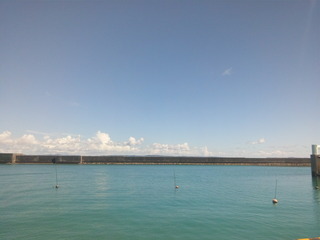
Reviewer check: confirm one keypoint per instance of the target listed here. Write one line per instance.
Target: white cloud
(259, 141)
(206, 152)
(132, 141)
(5, 137)
(68, 144)
(227, 72)
(104, 138)
(183, 149)
(27, 139)
(102, 143)
(166, 149)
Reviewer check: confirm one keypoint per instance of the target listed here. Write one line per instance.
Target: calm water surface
(140, 202)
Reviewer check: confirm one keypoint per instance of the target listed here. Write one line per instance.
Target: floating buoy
(275, 200)
(174, 180)
(54, 162)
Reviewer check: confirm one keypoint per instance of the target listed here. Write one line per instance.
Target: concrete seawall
(11, 158)
(315, 165)
(7, 158)
(47, 159)
(195, 160)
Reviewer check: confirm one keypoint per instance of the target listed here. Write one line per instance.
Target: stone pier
(315, 165)
(315, 160)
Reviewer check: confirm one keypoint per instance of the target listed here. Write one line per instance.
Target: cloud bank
(100, 144)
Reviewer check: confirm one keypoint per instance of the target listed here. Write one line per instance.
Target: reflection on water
(316, 182)
(316, 195)
(316, 186)
(101, 181)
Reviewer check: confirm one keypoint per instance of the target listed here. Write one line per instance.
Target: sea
(137, 202)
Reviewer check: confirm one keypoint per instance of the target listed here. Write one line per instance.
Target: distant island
(13, 158)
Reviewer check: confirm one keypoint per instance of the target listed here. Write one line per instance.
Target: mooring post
(315, 161)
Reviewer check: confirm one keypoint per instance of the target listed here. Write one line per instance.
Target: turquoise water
(140, 202)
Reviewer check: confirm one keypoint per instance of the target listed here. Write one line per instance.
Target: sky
(227, 78)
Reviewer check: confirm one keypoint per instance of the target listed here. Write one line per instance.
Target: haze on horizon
(137, 77)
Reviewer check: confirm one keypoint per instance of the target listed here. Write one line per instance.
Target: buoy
(57, 186)
(174, 180)
(275, 200)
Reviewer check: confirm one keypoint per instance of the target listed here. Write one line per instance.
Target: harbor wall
(194, 160)
(7, 158)
(10, 158)
(47, 159)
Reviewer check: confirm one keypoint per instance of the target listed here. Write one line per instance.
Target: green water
(140, 202)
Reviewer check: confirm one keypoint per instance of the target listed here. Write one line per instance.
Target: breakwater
(11, 158)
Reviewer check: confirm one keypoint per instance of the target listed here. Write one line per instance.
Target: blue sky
(202, 78)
